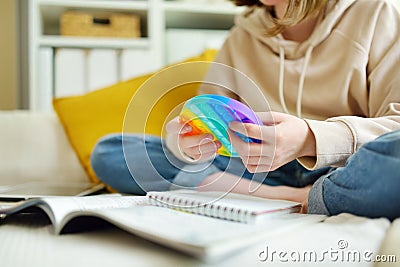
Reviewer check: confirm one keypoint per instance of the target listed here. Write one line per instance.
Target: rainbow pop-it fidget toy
(212, 114)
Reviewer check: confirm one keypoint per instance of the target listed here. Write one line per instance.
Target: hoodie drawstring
(281, 78)
(302, 78)
(301, 81)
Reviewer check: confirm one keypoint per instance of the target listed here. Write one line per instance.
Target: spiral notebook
(204, 237)
(227, 206)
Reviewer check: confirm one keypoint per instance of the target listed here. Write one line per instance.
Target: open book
(204, 237)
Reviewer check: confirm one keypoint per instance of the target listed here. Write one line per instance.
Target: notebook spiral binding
(209, 209)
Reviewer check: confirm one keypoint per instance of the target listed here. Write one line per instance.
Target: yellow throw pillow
(88, 117)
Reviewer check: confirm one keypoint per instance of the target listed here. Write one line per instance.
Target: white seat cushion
(34, 146)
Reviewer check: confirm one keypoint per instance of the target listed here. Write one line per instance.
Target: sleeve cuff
(334, 144)
(316, 204)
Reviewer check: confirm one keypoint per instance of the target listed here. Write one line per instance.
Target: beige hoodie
(344, 80)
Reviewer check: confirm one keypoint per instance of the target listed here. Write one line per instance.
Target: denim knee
(135, 163)
(387, 144)
(108, 162)
(367, 186)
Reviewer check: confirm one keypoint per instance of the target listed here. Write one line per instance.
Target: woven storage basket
(73, 23)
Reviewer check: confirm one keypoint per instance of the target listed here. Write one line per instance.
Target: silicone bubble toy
(212, 114)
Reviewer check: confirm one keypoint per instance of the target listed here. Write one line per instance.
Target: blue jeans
(368, 185)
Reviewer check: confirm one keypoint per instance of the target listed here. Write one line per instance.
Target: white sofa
(34, 146)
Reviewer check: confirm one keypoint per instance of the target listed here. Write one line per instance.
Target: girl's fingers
(245, 149)
(195, 140)
(175, 127)
(271, 118)
(204, 156)
(237, 143)
(260, 132)
(202, 149)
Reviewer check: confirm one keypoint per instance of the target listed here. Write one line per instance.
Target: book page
(190, 233)
(58, 208)
(5, 205)
(200, 236)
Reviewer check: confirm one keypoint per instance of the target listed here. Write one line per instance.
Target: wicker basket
(73, 23)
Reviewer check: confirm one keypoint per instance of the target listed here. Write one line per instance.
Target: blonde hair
(297, 10)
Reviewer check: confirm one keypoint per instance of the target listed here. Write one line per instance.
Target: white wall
(8, 55)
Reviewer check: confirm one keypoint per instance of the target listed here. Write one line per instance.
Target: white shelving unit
(77, 42)
(43, 40)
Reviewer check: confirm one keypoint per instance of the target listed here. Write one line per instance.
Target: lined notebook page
(235, 207)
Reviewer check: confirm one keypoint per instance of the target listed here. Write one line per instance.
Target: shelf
(221, 9)
(200, 16)
(96, 4)
(87, 42)
(51, 11)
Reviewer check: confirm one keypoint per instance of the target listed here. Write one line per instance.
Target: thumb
(271, 118)
(176, 127)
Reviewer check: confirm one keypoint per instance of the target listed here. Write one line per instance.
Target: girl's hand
(197, 147)
(283, 138)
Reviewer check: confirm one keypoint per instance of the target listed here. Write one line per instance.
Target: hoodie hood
(255, 21)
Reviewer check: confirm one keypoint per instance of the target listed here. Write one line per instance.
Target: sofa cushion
(88, 117)
(33, 146)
